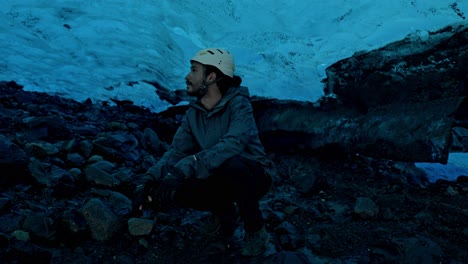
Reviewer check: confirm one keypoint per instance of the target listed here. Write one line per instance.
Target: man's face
(194, 78)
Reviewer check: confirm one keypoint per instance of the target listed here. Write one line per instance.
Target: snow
(102, 49)
(457, 166)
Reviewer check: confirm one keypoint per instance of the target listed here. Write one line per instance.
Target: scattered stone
(21, 235)
(365, 208)
(102, 222)
(140, 227)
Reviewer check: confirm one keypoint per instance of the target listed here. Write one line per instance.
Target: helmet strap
(204, 85)
(202, 89)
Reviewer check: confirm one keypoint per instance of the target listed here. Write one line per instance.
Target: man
(216, 160)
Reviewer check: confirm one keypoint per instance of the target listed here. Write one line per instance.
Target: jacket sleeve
(183, 144)
(241, 130)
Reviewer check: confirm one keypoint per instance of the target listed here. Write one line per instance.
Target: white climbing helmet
(219, 58)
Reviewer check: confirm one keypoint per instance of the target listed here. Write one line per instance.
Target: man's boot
(255, 243)
(221, 224)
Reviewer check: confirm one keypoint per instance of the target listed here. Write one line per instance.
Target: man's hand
(141, 199)
(157, 195)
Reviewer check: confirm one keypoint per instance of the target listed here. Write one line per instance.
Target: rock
(151, 141)
(140, 227)
(105, 165)
(289, 238)
(97, 176)
(4, 203)
(75, 159)
(39, 171)
(94, 159)
(451, 191)
(86, 148)
(102, 222)
(63, 183)
(288, 257)
(421, 250)
(460, 139)
(405, 71)
(13, 161)
(10, 153)
(25, 252)
(73, 227)
(46, 127)
(383, 132)
(414, 77)
(365, 208)
(116, 146)
(39, 226)
(41, 149)
(21, 235)
(119, 203)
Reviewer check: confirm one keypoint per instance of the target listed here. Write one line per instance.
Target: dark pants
(238, 180)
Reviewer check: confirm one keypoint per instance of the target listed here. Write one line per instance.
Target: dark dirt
(415, 224)
(416, 221)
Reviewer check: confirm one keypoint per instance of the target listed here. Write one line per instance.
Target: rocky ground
(68, 170)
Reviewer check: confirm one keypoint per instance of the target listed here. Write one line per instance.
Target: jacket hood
(231, 93)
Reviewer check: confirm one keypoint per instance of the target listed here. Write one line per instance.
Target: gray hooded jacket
(206, 139)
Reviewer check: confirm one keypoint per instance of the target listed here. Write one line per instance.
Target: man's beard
(192, 93)
(200, 92)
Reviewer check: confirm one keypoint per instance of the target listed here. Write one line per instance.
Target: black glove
(140, 198)
(155, 195)
(161, 194)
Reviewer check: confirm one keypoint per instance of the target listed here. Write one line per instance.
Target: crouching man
(216, 161)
